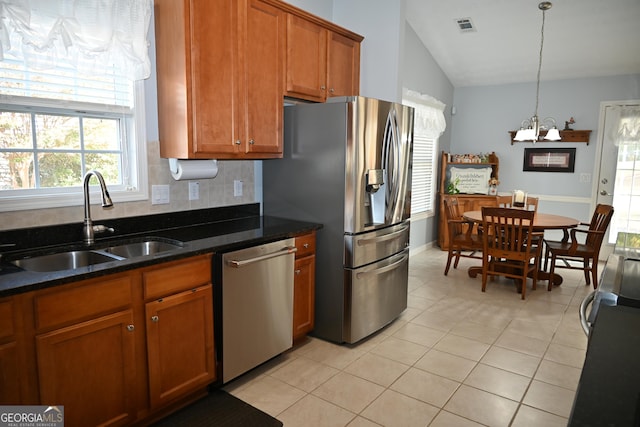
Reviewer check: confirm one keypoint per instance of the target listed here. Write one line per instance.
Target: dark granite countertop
(609, 389)
(200, 231)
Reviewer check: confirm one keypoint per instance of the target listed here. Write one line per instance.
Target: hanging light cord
(540, 63)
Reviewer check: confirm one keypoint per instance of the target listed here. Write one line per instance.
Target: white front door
(618, 181)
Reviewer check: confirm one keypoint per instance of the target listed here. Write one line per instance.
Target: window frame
(135, 152)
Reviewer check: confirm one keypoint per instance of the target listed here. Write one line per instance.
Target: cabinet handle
(306, 246)
(331, 90)
(251, 142)
(154, 319)
(297, 271)
(130, 328)
(323, 87)
(238, 142)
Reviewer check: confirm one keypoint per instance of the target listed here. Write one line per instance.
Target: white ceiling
(582, 38)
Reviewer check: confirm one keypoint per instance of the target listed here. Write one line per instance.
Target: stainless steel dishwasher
(257, 305)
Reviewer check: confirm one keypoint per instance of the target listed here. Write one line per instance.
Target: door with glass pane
(619, 178)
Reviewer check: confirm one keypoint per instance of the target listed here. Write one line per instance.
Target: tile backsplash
(215, 192)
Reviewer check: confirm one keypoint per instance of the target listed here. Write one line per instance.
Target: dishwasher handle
(241, 263)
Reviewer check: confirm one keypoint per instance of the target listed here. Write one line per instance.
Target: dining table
(541, 222)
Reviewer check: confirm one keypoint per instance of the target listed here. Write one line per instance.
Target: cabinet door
(9, 375)
(343, 66)
(180, 344)
(261, 102)
(9, 371)
(214, 58)
(303, 296)
(306, 59)
(89, 368)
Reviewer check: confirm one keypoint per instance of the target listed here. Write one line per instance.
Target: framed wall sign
(471, 180)
(549, 159)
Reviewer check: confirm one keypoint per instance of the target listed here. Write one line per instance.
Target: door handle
(604, 193)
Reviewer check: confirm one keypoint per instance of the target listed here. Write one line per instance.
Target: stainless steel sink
(82, 258)
(64, 261)
(146, 247)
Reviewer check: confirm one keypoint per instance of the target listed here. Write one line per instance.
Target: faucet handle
(102, 229)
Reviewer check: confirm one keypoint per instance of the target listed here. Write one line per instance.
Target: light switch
(159, 194)
(237, 188)
(194, 190)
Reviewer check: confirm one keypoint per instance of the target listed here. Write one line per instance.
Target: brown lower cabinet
(115, 350)
(304, 285)
(10, 390)
(89, 368)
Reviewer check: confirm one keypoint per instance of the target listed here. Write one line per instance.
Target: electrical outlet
(237, 188)
(159, 194)
(585, 177)
(194, 190)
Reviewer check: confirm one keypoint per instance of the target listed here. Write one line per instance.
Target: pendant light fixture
(530, 128)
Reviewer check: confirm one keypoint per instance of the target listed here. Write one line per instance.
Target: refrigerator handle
(390, 159)
(378, 239)
(382, 269)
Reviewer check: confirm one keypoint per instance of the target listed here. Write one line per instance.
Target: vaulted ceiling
(582, 38)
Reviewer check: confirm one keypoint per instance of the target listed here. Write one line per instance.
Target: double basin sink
(71, 259)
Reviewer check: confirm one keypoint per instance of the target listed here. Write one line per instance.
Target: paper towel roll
(193, 169)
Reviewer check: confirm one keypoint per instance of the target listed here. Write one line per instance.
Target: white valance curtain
(90, 34)
(430, 120)
(627, 130)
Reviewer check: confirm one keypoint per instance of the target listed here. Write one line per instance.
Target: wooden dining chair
(585, 249)
(510, 246)
(463, 242)
(506, 201)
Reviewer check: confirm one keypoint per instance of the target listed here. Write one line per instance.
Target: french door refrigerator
(347, 165)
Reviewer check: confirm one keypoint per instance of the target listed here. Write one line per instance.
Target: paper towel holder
(176, 167)
(173, 164)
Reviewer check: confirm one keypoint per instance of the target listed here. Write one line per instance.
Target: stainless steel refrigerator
(347, 165)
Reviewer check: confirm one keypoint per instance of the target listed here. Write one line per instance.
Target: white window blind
(429, 123)
(422, 182)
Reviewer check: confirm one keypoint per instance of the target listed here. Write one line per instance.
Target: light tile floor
(455, 357)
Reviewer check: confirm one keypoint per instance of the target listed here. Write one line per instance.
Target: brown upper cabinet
(320, 63)
(221, 69)
(219, 66)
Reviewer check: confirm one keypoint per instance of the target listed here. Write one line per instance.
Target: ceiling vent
(465, 25)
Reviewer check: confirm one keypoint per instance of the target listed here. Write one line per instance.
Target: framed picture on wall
(549, 159)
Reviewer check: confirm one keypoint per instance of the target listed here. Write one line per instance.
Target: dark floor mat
(219, 409)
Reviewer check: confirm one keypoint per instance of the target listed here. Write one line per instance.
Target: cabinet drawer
(86, 300)
(177, 276)
(305, 244)
(6, 319)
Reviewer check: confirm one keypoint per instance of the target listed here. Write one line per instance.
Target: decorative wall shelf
(566, 135)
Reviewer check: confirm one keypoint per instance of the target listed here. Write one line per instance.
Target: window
(429, 123)
(423, 180)
(71, 100)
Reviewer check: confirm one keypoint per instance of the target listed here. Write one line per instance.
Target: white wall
(321, 8)
(381, 23)
(421, 73)
(485, 114)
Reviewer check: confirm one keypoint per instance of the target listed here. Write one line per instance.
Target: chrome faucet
(89, 228)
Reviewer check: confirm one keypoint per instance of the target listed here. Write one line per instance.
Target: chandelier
(530, 128)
